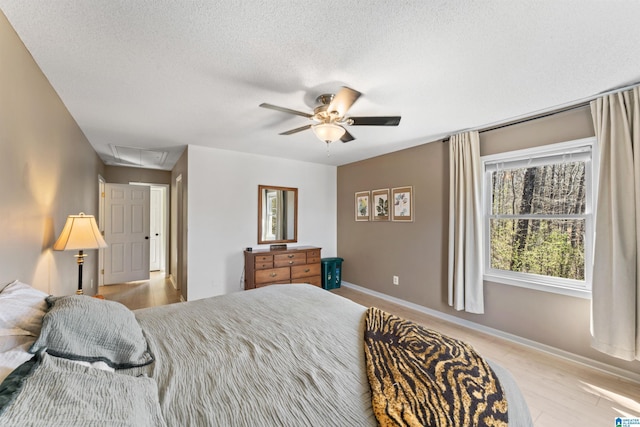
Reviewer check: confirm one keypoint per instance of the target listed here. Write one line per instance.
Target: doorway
(126, 231)
(158, 226)
(158, 221)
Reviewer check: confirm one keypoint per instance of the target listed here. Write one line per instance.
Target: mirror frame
(261, 214)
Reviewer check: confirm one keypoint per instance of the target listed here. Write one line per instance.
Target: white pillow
(14, 356)
(93, 365)
(21, 310)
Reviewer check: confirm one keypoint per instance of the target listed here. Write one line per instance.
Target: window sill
(544, 287)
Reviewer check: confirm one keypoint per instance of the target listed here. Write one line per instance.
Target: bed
(283, 355)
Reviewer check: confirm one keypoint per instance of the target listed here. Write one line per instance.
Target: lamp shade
(328, 132)
(80, 232)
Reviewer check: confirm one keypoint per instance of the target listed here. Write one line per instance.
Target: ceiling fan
(330, 116)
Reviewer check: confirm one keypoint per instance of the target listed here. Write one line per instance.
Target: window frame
(543, 155)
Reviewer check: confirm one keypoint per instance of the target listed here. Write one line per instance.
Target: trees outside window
(538, 220)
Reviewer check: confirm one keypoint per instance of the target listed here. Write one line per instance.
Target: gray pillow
(80, 327)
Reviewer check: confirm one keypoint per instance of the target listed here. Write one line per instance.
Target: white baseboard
(613, 370)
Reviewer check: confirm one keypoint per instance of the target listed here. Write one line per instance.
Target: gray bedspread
(283, 355)
(286, 355)
(59, 392)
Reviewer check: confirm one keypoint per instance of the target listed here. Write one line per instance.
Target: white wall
(223, 212)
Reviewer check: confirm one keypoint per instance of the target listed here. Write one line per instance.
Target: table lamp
(80, 233)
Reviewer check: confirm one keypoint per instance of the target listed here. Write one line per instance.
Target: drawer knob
(290, 256)
(306, 270)
(290, 262)
(273, 274)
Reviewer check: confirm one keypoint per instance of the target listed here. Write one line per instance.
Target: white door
(126, 230)
(156, 225)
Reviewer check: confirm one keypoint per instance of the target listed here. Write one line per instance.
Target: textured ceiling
(158, 74)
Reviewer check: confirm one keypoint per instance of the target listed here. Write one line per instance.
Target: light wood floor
(558, 392)
(146, 293)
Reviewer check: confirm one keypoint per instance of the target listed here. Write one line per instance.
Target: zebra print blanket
(419, 377)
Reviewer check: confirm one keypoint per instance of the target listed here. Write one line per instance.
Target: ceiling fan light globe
(328, 132)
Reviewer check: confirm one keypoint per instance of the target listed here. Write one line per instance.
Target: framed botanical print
(380, 205)
(402, 204)
(362, 206)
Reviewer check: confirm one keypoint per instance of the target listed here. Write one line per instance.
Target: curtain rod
(554, 110)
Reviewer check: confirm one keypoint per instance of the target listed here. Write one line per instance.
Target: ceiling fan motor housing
(320, 113)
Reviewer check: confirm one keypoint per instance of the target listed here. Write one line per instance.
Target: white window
(538, 217)
(272, 214)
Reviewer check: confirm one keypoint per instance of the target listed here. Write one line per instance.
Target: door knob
(146, 237)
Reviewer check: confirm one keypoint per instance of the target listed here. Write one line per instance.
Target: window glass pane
(545, 247)
(554, 189)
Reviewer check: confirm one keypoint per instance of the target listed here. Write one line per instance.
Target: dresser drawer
(273, 275)
(313, 256)
(259, 259)
(263, 265)
(287, 260)
(313, 280)
(264, 261)
(304, 271)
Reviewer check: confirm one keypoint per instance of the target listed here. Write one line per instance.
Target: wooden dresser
(264, 267)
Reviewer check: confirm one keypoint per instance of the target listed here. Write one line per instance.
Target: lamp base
(80, 258)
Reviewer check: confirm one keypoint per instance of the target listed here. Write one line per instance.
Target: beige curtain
(465, 223)
(616, 286)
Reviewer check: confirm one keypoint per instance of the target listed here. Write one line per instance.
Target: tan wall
(417, 252)
(125, 175)
(49, 170)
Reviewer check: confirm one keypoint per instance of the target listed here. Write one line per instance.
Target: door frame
(101, 195)
(181, 234)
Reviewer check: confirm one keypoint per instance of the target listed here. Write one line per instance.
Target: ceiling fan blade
(347, 136)
(296, 130)
(374, 121)
(343, 100)
(285, 110)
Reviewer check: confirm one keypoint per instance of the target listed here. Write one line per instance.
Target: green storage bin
(331, 272)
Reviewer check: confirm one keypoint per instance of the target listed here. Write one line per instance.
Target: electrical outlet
(91, 285)
(396, 281)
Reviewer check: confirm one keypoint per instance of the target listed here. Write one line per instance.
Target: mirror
(277, 214)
